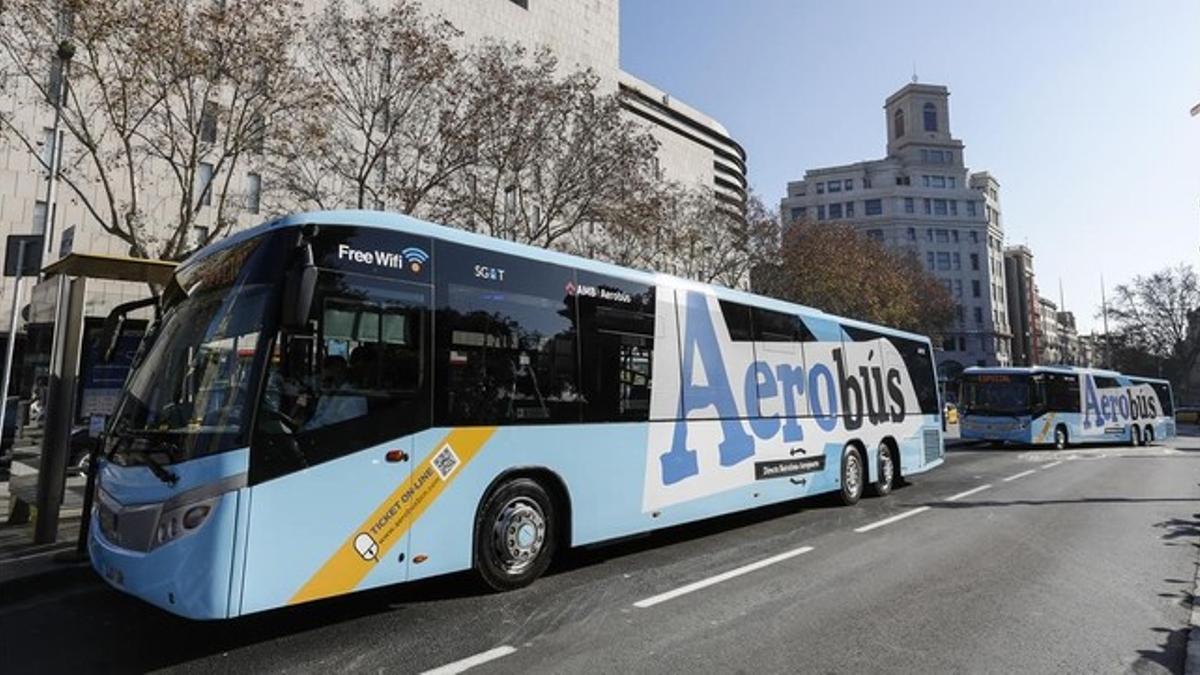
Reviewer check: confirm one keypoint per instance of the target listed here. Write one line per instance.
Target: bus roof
(1014, 370)
(410, 225)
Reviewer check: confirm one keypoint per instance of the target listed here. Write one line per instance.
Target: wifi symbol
(415, 257)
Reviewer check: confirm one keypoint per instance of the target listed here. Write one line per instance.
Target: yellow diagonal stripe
(348, 566)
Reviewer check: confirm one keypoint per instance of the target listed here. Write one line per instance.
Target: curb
(1191, 659)
(24, 579)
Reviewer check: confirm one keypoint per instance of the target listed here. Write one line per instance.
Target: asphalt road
(1078, 561)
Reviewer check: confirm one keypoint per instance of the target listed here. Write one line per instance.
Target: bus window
(616, 342)
(919, 361)
(1062, 392)
(1103, 382)
(506, 345)
(772, 326)
(1164, 398)
(737, 321)
(355, 378)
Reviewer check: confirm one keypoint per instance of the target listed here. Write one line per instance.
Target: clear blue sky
(1080, 109)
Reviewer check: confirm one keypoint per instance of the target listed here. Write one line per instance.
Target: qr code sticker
(445, 462)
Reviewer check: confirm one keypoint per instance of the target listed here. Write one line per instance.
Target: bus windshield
(189, 393)
(1003, 394)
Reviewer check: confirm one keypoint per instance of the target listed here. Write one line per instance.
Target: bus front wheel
(514, 534)
(1060, 437)
(852, 475)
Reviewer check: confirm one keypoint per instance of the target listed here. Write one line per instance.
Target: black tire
(853, 475)
(1061, 440)
(1135, 435)
(1148, 437)
(515, 534)
(885, 469)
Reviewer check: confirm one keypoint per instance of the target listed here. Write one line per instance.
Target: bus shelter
(62, 307)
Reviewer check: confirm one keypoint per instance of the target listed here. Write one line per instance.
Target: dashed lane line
(1051, 464)
(968, 493)
(892, 519)
(472, 661)
(1019, 475)
(724, 576)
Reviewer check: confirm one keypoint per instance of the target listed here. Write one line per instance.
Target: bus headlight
(181, 521)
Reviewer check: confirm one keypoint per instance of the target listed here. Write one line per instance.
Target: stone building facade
(922, 199)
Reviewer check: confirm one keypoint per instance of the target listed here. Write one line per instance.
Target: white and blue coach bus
(1060, 405)
(342, 400)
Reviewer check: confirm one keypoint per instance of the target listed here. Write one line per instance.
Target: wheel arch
(549, 479)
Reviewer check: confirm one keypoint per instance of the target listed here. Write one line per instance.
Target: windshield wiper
(161, 472)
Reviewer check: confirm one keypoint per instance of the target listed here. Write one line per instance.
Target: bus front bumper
(189, 577)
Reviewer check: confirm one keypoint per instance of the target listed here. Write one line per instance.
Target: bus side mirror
(301, 285)
(115, 321)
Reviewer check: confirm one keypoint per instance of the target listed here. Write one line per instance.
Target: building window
(957, 282)
(821, 212)
(941, 236)
(908, 205)
(849, 209)
(898, 123)
(867, 183)
(199, 236)
(877, 235)
(954, 235)
(954, 207)
(835, 210)
(873, 207)
(939, 207)
(929, 260)
(974, 237)
(930, 117)
(204, 176)
(928, 206)
(975, 261)
(912, 234)
(849, 184)
(943, 261)
(971, 209)
(257, 136)
(959, 311)
(929, 234)
(948, 343)
(957, 260)
(39, 217)
(47, 148)
(253, 192)
(835, 186)
(208, 122)
(798, 212)
(978, 315)
(820, 188)
(962, 341)
(903, 180)
(951, 182)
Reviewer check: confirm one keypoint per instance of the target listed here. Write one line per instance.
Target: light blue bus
(338, 401)
(1062, 405)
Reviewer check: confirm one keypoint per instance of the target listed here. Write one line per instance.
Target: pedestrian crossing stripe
(392, 519)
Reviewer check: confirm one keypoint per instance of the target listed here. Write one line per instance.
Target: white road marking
(968, 493)
(472, 661)
(1047, 466)
(889, 521)
(1020, 475)
(724, 576)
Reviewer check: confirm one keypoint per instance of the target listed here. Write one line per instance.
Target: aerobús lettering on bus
(868, 395)
(1116, 405)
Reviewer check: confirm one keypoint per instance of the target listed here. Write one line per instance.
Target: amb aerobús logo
(412, 258)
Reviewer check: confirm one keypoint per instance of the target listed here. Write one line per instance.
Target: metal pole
(1104, 312)
(12, 333)
(55, 154)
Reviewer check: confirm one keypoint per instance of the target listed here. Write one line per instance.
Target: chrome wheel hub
(853, 474)
(519, 534)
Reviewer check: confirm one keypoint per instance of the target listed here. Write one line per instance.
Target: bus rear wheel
(852, 475)
(1148, 437)
(886, 471)
(515, 535)
(1135, 435)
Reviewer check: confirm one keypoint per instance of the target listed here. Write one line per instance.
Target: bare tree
(167, 100)
(388, 126)
(1159, 316)
(551, 153)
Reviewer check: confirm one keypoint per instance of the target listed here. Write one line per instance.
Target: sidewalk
(27, 568)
